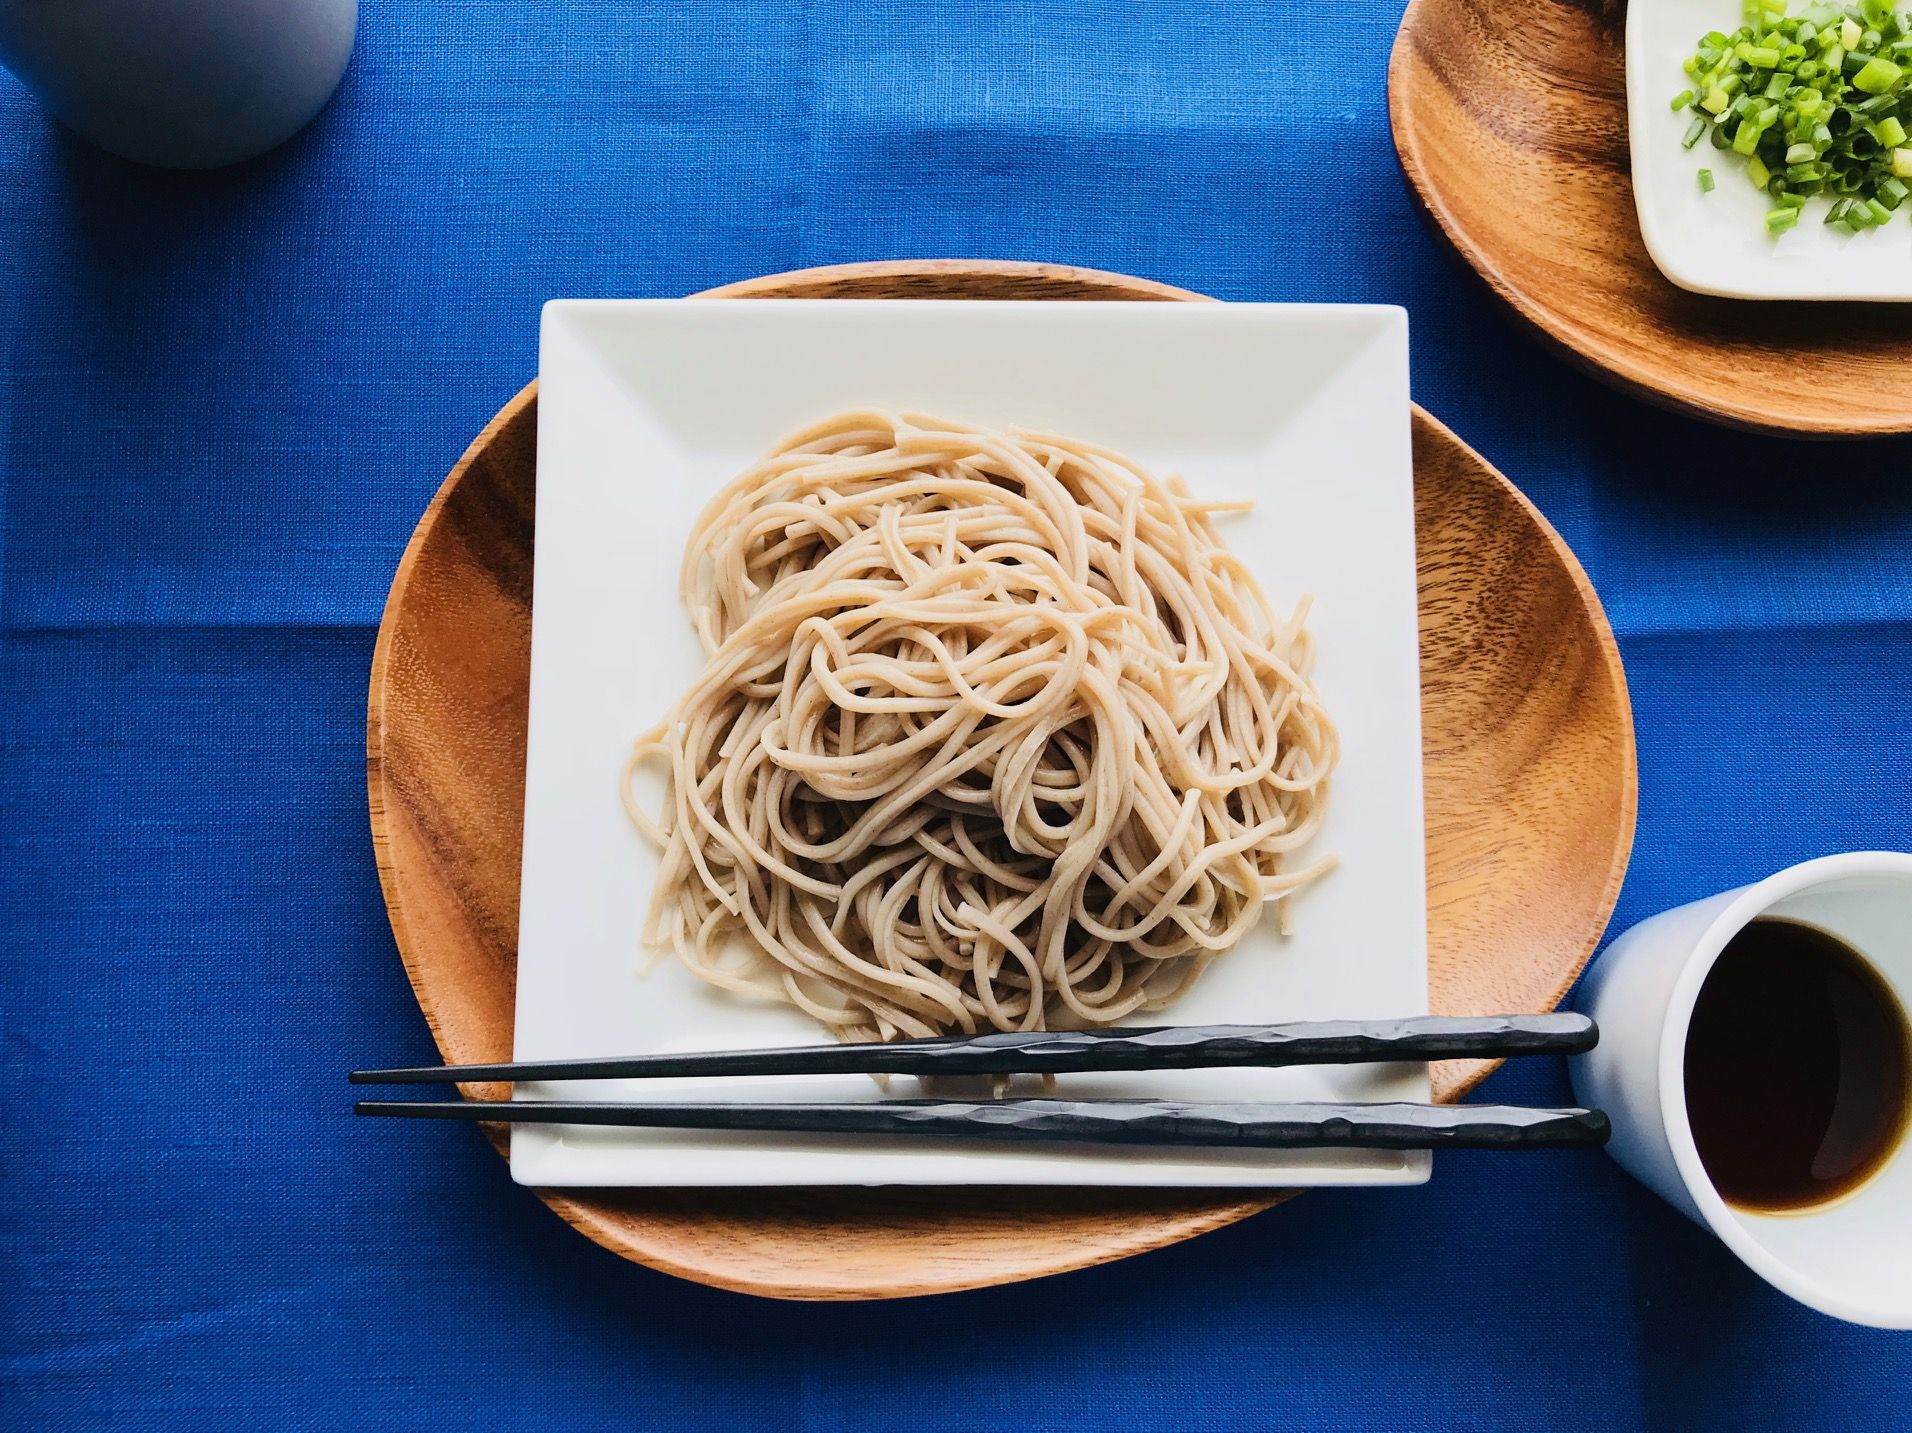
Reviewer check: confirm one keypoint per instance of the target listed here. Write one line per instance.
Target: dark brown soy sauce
(1798, 1069)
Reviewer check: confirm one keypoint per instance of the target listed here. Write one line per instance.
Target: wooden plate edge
(1615, 671)
(766, 285)
(375, 777)
(608, 1229)
(1583, 347)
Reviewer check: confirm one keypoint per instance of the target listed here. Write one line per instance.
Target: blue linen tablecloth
(224, 400)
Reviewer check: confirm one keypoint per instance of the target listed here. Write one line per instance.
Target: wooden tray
(1530, 783)
(1511, 122)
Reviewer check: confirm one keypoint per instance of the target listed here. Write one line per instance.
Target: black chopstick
(1168, 1047)
(1164, 1123)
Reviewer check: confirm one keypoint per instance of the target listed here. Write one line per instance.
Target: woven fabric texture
(224, 401)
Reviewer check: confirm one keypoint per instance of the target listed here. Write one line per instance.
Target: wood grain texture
(1511, 123)
(1530, 786)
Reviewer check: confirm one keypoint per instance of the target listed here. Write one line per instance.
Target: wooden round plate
(1530, 784)
(1511, 122)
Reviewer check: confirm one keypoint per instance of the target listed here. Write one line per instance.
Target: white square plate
(646, 408)
(1717, 243)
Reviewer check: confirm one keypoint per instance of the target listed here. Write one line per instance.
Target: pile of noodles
(994, 735)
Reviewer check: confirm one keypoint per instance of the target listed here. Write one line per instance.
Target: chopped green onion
(1817, 101)
(1877, 76)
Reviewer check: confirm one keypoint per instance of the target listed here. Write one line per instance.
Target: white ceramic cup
(1852, 1257)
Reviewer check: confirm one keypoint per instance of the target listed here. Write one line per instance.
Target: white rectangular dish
(1717, 243)
(647, 407)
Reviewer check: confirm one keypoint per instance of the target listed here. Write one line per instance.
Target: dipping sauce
(1798, 1069)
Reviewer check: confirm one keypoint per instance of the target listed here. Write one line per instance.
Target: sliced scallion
(1817, 101)
(1877, 76)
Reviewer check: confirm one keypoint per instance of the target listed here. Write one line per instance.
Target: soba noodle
(994, 735)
